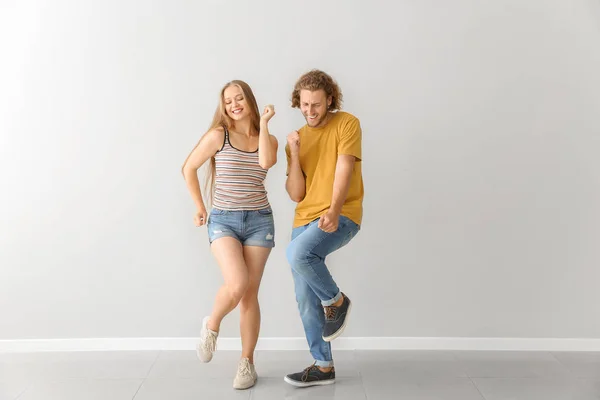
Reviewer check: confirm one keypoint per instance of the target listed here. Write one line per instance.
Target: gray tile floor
(415, 375)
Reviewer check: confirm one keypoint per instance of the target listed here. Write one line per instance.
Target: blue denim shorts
(251, 228)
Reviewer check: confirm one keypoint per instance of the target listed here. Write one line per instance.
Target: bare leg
(230, 256)
(256, 258)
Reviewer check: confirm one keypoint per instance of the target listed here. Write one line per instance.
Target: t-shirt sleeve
(350, 139)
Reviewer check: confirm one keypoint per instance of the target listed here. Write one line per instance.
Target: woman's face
(235, 103)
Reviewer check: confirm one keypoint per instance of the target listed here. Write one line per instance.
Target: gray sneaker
(208, 342)
(246, 375)
(311, 376)
(336, 319)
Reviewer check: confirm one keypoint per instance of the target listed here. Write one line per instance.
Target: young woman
(240, 226)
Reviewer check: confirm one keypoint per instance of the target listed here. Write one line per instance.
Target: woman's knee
(249, 300)
(237, 289)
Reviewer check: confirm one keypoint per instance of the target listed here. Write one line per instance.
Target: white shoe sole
(341, 330)
(243, 387)
(199, 352)
(201, 356)
(308, 384)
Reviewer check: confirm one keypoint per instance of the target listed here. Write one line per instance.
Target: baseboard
(296, 343)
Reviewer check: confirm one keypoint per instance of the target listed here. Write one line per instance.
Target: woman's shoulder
(215, 138)
(217, 133)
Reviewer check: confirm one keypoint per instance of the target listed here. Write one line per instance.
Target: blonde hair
(315, 80)
(222, 120)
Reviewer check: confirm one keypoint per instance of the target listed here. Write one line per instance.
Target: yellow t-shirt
(319, 149)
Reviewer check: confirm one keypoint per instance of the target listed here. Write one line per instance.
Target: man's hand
(329, 221)
(293, 140)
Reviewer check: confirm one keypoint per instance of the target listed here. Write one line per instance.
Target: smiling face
(235, 103)
(317, 95)
(314, 106)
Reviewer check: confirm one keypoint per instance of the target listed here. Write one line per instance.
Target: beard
(317, 122)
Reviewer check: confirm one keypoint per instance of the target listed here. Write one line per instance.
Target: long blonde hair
(222, 120)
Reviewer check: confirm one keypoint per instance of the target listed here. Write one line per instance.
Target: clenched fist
(268, 113)
(200, 217)
(293, 140)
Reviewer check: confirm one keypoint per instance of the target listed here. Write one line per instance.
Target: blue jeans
(313, 283)
(250, 228)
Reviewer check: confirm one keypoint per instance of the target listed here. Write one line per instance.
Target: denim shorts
(250, 228)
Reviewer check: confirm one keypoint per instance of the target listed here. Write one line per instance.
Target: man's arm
(349, 151)
(341, 182)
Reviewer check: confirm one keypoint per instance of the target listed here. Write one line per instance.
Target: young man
(324, 177)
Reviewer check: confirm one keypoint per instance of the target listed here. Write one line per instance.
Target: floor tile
(12, 385)
(538, 388)
(83, 388)
(190, 389)
(581, 364)
(409, 366)
(276, 388)
(422, 389)
(511, 364)
(62, 365)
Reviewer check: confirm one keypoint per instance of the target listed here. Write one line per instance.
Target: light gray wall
(481, 139)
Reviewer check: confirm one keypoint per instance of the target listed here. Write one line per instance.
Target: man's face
(314, 107)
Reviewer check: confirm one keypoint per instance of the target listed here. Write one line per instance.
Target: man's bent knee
(299, 258)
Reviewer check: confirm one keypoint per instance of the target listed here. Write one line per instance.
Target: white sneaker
(208, 342)
(246, 375)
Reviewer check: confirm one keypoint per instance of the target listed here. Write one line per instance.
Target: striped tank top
(239, 179)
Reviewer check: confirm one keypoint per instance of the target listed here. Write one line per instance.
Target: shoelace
(330, 312)
(244, 368)
(210, 342)
(307, 372)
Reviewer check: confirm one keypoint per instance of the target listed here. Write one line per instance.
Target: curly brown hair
(315, 80)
